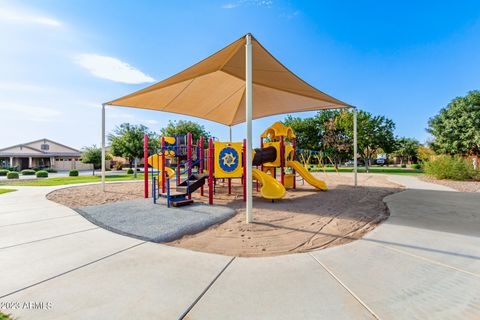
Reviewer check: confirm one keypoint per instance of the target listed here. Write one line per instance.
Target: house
(43, 153)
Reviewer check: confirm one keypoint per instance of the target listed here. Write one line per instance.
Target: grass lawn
(4, 316)
(5, 191)
(73, 180)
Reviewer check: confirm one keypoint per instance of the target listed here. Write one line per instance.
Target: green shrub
(119, 166)
(130, 171)
(3, 172)
(42, 174)
(50, 170)
(447, 167)
(28, 172)
(12, 175)
(416, 166)
(73, 173)
(403, 166)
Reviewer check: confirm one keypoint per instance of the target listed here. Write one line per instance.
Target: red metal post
(202, 155)
(294, 143)
(282, 160)
(177, 154)
(210, 171)
(162, 154)
(244, 181)
(145, 166)
(189, 158)
(229, 185)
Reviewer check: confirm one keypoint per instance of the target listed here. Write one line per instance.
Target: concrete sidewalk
(422, 263)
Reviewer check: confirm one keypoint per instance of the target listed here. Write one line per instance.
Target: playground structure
(180, 156)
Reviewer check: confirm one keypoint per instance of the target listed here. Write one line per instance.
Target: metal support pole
(230, 127)
(103, 147)
(355, 147)
(248, 113)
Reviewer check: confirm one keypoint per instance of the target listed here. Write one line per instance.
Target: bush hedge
(73, 173)
(3, 172)
(12, 175)
(416, 166)
(42, 174)
(130, 171)
(51, 170)
(119, 166)
(453, 168)
(28, 172)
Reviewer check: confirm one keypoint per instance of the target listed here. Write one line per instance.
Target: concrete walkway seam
(432, 261)
(185, 313)
(40, 220)
(74, 269)
(346, 288)
(57, 236)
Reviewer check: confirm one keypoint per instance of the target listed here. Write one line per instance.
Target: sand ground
(305, 220)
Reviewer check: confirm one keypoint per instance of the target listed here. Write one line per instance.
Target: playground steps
(195, 181)
(181, 203)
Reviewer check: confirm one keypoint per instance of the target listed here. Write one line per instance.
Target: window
(45, 147)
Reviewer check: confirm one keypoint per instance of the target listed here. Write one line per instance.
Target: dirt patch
(305, 220)
(91, 195)
(462, 186)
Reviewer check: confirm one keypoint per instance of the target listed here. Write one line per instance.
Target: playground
(194, 197)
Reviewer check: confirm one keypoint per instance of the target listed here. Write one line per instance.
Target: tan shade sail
(214, 89)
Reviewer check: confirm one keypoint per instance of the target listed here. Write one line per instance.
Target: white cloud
(16, 16)
(28, 112)
(258, 3)
(112, 69)
(151, 122)
(24, 87)
(230, 5)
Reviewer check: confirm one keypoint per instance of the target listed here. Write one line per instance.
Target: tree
(92, 155)
(406, 149)
(307, 131)
(182, 127)
(373, 133)
(127, 141)
(456, 129)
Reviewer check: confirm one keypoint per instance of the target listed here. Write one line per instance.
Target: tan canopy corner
(214, 89)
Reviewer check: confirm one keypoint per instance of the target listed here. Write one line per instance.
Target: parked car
(380, 161)
(350, 163)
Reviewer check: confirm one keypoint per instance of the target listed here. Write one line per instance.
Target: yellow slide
(271, 188)
(297, 166)
(156, 162)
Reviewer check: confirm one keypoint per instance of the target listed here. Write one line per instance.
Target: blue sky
(61, 59)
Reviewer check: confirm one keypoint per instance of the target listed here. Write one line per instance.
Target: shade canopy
(214, 89)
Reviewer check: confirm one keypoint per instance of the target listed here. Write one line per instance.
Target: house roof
(37, 152)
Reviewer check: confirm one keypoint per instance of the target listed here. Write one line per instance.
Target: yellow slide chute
(301, 170)
(271, 188)
(156, 162)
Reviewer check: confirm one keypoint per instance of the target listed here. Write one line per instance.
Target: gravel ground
(462, 186)
(145, 220)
